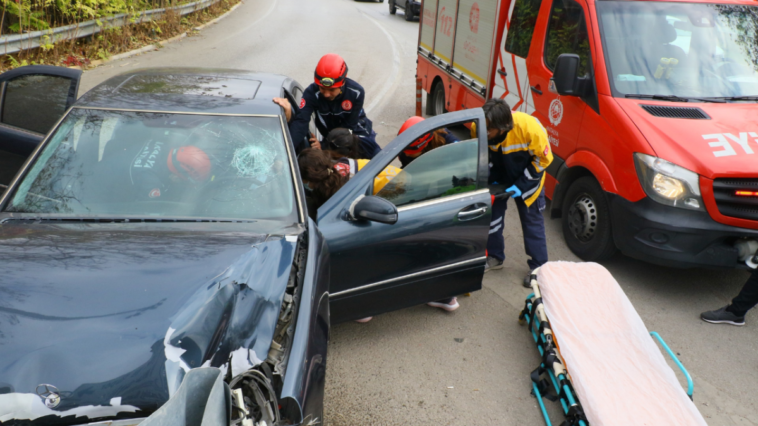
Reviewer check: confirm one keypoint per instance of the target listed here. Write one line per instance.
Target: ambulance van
(651, 109)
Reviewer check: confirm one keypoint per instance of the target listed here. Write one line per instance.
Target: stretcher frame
(552, 365)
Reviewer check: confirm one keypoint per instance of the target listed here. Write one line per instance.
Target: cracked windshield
(681, 49)
(129, 164)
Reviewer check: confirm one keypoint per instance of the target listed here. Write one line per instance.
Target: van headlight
(667, 183)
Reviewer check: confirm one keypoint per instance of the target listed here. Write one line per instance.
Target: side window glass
(446, 170)
(520, 32)
(298, 95)
(35, 102)
(567, 33)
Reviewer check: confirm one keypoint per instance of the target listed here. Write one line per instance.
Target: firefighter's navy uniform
(520, 158)
(346, 110)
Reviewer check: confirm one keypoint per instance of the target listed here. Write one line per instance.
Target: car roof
(195, 90)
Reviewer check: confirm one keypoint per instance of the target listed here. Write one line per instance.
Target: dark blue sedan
(160, 225)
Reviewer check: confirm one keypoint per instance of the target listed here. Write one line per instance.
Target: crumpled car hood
(111, 316)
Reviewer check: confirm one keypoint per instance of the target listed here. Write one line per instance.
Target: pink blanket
(617, 369)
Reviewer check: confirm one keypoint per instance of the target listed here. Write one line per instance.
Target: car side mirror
(375, 209)
(565, 77)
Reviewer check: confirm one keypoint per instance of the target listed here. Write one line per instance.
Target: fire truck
(649, 106)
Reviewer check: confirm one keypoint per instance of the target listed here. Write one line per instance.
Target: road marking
(252, 24)
(394, 74)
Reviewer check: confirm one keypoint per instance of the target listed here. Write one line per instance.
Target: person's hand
(515, 192)
(284, 103)
(315, 144)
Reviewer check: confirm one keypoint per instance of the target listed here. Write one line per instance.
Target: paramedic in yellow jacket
(519, 153)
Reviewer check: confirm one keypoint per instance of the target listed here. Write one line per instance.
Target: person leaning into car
(519, 153)
(337, 101)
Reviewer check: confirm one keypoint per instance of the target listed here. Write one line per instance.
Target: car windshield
(161, 165)
(680, 49)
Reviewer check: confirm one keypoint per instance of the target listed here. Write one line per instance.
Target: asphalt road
(422, 366)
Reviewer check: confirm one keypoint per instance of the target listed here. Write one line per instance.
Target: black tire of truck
(435, 102)
(408, 11)
(587, 221)
(393, 8)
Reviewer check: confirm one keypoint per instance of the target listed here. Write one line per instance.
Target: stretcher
(598, 359)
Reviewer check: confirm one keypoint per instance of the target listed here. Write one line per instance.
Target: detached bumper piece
(598, 359)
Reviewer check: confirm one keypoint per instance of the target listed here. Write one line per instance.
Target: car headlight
(667, 183)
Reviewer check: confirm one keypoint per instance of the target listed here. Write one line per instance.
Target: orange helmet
(331, 71)
(417, 146)
(189, 163)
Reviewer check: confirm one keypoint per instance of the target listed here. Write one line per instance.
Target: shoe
(722, 316)
(528, 279)
(449, 305)
(492, 263)
(364, 320)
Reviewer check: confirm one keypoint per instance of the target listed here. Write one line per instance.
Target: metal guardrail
(18, 42)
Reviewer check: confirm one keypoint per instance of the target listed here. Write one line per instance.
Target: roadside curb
(156, 45)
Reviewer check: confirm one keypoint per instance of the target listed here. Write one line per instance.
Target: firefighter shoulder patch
(347, 105)
(302, 103)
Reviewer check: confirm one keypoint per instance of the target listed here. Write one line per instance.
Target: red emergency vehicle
(650, 107)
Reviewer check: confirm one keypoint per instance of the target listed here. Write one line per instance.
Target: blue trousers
(532, 225)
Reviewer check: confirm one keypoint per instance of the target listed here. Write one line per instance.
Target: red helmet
(417, 146)
(189, 163)
(331, 71)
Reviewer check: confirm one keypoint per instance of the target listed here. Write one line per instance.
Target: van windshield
(680, 49)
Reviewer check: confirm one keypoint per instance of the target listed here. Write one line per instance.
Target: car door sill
(404, 277)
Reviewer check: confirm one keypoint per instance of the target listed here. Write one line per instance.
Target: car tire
(393, 8)
(586, 219)
(408, 11)
(436, 103)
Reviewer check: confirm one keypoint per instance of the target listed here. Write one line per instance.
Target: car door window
(567, 33)
(520, 32)
(35, 102)
(445, 171)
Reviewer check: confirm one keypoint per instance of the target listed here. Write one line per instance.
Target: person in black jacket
(734, 313)
(337, 101)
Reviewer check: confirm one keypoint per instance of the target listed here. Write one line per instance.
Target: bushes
(20, 16)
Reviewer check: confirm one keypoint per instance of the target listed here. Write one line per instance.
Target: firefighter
(337, 101)
(519, 153)
(425, 143)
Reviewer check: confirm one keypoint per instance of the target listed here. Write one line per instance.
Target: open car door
(440, 206)
(32, 100)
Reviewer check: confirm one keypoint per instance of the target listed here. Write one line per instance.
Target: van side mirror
(375, 209)
(565, 78)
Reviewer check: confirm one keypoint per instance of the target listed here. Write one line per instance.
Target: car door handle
(536, 89)
(472, 214)
(502, 72)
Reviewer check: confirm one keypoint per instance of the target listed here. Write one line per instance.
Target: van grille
(730, 204)
(676, 112)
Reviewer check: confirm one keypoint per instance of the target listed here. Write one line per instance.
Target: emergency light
(746, 193)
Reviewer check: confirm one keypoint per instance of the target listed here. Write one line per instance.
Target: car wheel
(587, 220)
(408, 11)
(393, 8)
(437, 104)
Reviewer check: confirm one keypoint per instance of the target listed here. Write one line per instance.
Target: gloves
(513, 189)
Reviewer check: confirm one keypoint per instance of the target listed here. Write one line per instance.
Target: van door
(562, 28)
(511, 79)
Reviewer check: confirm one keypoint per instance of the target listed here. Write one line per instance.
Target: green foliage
(522, 27)
(567, 33)
(32, 15)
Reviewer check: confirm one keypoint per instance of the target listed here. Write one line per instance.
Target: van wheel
(436, 106)
(393, 8)
(587, 221)
(408, 11)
